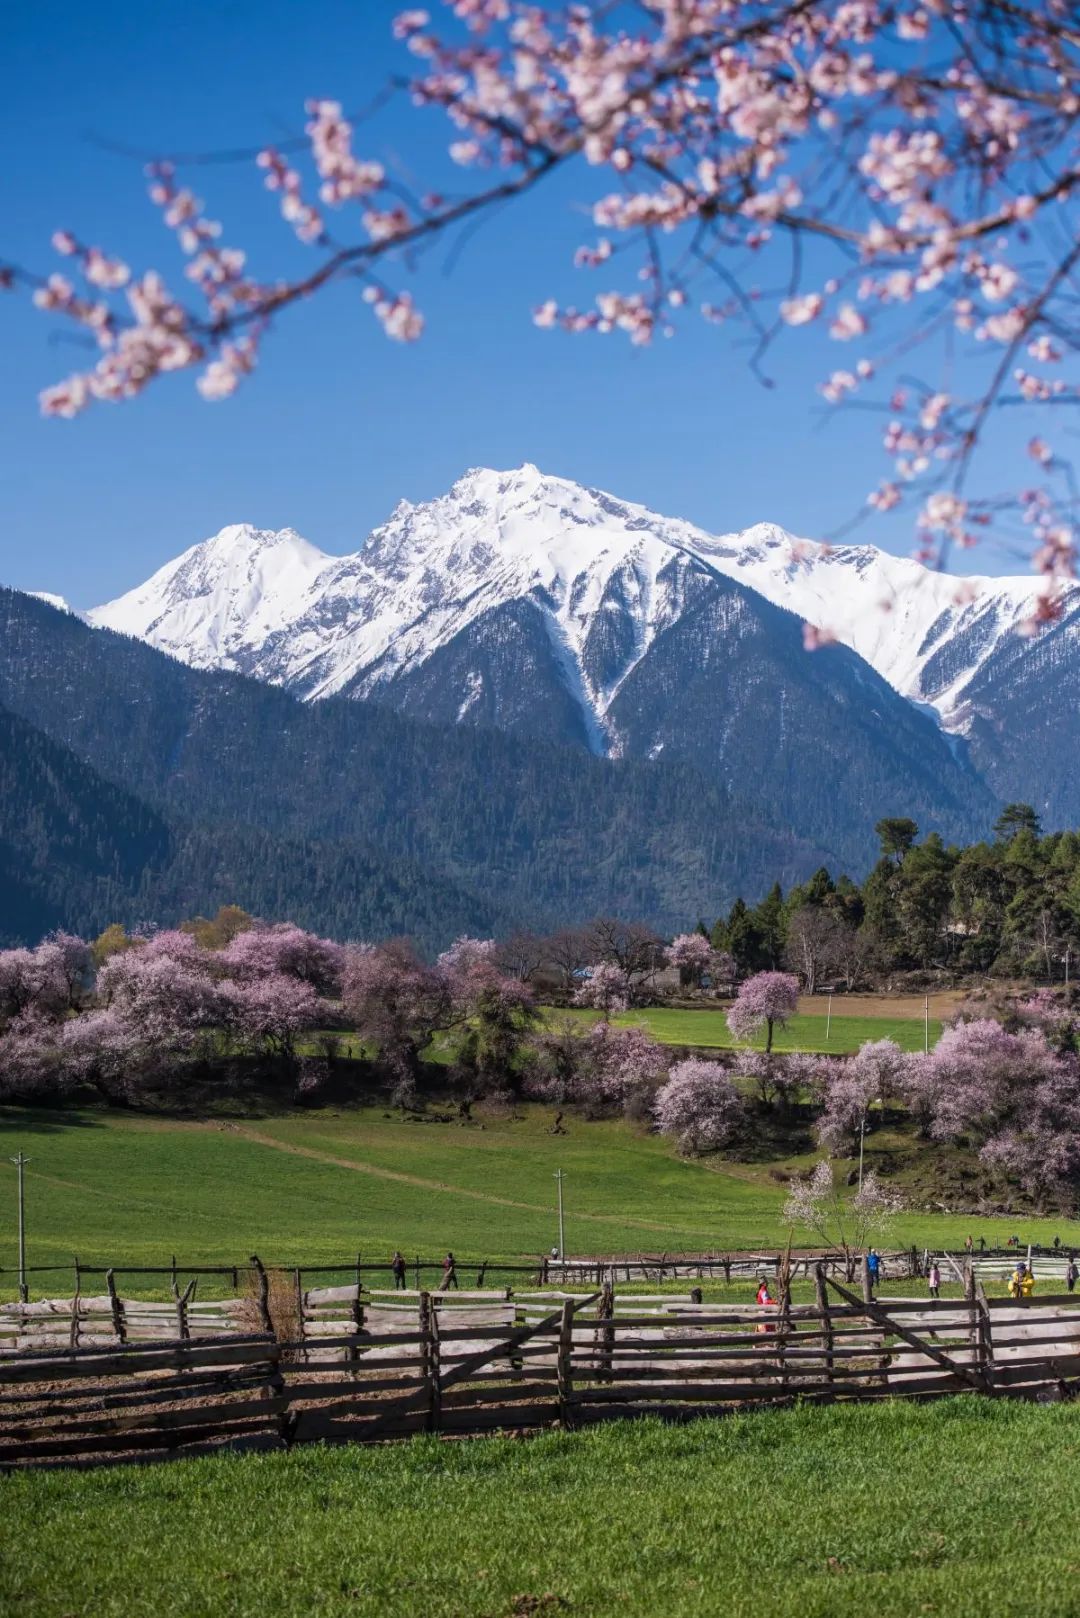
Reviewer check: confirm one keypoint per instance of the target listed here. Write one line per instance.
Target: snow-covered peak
(219, 595)
(271, 604)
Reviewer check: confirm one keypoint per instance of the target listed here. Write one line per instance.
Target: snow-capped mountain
(272, 605)
(534, 604)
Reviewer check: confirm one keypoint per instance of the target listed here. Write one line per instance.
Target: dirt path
(259, 1139)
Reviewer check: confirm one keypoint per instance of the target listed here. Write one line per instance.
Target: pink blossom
(798, 311)
(699, 1106)
(625, 1061)
(848, 322)
(607, 988)
(815, 636)
(767, 1000)
(719, 129)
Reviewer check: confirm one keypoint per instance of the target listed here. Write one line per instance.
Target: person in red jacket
(765, 1299)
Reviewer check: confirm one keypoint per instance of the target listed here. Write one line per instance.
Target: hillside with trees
(233, 1012)
(1009, 907)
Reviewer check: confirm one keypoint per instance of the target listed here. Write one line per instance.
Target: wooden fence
(89, 1278)
(366, 1369)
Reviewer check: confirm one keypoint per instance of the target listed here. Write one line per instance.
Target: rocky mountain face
(532, 604)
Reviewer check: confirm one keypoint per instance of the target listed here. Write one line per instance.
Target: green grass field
(319, 1186)
(805, 1031)
(961, 1508)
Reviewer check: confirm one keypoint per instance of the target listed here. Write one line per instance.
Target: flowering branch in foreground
(903, 174)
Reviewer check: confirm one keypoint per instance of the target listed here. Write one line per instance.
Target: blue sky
(341, 423)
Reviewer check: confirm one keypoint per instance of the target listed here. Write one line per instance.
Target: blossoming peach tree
(901, 173)
(841, 1224)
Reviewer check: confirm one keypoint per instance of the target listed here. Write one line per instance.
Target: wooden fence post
(183, 1330)
(429, 1359)
(564, 1363)
(119, 1326)
(605, 1334)
(357, 1312)
(434, 1421)
(783, 1322)
(822, 1294)
(262, 1294)
(986, 1338)
(973, 1311)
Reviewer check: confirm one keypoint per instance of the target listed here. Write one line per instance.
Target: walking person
(968, 1245)
(873, 1269)
(933, 1280)
(397, 1269)
(449, 1273)
(1016, 1279)
(1071, 1272)
(766, 1301)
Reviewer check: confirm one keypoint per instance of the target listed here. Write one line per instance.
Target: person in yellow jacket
(1021, 1282)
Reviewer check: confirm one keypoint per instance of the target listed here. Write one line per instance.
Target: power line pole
(828, 1019)
(20, 1163)
(926, 1025)
(562, 1228)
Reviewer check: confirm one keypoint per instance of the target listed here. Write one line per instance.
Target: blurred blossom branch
(920, 157)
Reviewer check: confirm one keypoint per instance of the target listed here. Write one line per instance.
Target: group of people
(1021, 1281)
(449, 1273)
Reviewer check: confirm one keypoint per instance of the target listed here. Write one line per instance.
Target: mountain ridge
(518, 599)
(503, 535)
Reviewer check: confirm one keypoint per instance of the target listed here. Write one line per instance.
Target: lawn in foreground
(962, 1508)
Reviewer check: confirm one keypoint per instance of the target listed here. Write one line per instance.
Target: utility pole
(862, 1134)
(20, 1163)
(828, 1019)
(926, 1025)
(562, 1228)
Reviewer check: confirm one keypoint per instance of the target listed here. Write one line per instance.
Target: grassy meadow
(319, 1186)
(852, 1020)
(809, 1030)
(960, 1508)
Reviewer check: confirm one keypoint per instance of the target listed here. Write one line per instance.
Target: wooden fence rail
(475, 1365)
(541, 1271)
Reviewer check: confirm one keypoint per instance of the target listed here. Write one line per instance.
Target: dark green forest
(1008, 906)
(355, 819)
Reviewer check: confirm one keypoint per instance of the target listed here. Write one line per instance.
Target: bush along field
(961, 1508)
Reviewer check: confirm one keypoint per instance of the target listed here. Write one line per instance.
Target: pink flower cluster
(927, 152)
